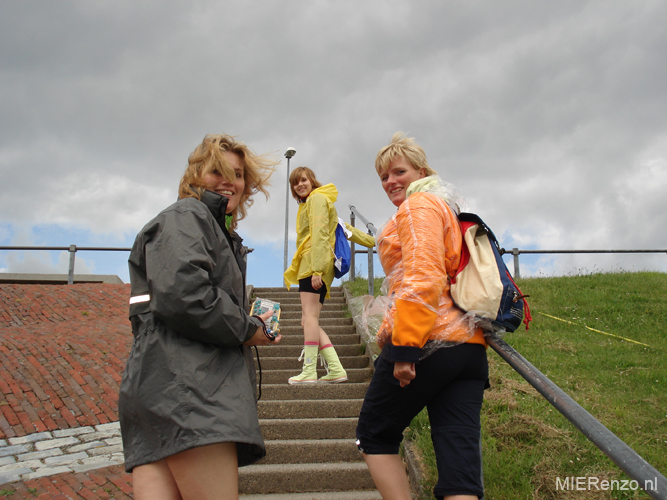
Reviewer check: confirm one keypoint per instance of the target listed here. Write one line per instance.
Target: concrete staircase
(309, 429)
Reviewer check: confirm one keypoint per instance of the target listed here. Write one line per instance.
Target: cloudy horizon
(551, 118)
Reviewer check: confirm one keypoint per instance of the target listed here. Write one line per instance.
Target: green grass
(359, 286)
(527, 443)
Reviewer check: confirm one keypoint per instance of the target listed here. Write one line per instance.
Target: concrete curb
(46, 454)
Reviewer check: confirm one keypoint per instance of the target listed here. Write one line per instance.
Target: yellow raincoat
(316, 222)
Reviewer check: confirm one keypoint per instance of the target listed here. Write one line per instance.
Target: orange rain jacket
(420, 249)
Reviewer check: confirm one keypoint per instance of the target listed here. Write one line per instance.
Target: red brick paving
(62, 353)
(109, 482)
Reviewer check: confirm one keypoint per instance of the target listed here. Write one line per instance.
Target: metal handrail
(72, 249)
(369, 225)
(69, 248)
(516, 252)
(354, 213)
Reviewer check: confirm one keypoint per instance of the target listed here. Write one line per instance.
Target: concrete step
(305, 409)
(313, 392)
(339, 335)
(292, 363)
(294, 313)
(264, 291)
(345, 329)
(329, 305)
(326, 495)
(290, 297)
(311, 451)
(324, 322)
(354, 375)
(311, 428)
(292, 300)
(299, 478)
(294, 351)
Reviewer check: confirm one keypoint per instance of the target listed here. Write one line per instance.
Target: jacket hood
(328, 190)
(444, 190)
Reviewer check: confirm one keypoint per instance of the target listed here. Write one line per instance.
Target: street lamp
(288, 154)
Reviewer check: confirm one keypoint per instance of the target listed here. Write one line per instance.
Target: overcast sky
(550, 117)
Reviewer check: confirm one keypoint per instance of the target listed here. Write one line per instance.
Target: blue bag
(341, 251)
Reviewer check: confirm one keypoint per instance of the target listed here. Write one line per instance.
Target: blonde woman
(187, 404)
(313, 270)
(431, 357)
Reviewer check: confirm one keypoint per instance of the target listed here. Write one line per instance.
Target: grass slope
(527, 443)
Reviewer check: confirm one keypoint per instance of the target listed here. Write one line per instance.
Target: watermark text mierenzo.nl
(592, 483)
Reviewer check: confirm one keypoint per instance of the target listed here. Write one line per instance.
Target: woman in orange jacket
(432, 355)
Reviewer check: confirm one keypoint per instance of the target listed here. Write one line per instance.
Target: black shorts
(305, 285)
(450, 383)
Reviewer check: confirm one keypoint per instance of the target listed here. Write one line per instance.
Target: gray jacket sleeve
(186, 250)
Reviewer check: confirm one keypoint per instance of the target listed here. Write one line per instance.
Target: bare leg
(207, 473)
(389, 476)
(310, 319)
(154, 482)
(391, 480)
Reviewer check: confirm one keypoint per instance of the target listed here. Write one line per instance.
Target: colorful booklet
(260, 306)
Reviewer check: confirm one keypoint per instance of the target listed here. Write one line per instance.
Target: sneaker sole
(297, 382)
(335, 381)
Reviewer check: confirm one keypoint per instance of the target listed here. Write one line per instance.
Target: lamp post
(288, 154)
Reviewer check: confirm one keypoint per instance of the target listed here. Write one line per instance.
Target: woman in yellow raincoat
(313, 270)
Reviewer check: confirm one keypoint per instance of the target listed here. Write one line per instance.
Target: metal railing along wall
(516, 252)
(354, 213)
(72, 249)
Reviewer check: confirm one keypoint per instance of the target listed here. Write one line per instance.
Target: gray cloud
(551, 118)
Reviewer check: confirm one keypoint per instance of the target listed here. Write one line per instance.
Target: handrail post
(70, 272)
(517, 273)
(371, 273)
(352, 247)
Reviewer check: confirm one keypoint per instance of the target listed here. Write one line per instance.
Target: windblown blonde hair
(295, 177)
(405, 147)
(208, 158)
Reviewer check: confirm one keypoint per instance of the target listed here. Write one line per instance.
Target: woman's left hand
(316, 281)
(404, 372)
(260, 338)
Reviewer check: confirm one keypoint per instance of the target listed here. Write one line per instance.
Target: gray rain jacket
(189, 381)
